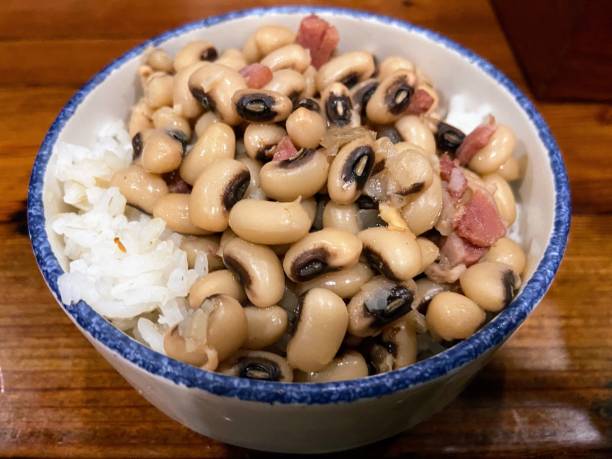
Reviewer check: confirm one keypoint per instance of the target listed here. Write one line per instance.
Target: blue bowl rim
(439, 365)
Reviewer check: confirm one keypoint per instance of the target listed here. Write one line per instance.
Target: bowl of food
(298, 229)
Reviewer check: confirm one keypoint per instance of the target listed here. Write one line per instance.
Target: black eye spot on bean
(294, 316)
(258, 368)
(448, 138)
(414, 188)
(398, 95)
(350, 80)
(398, 302)
(309, 264)
(508, 282)
(338, 110)
(209, 54)
(302, 158)
(265, 154)
(366, 202)
(179, 136)
(256, 107)
(294, 97)
(391, 133)
(137, 145)
(235, 189)
(363, 95)
(204, 99)
(358, 166)
(376, 262)
(307, 103)
(175, 183)
(234, 266)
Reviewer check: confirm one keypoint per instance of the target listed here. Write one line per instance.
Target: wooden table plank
(546, 393)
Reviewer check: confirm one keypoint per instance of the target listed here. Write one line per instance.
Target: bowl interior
(460, 77)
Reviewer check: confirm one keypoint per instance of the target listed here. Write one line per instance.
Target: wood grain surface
(546, 393)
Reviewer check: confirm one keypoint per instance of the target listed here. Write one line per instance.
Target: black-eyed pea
(348, 68)
(410, 171)
(258, 365)
(265, 40)
(260, 140)
(310, 206)
(423, 209)
(392, 64)
(361, 94)
(392, 252)
(508, 252)
(194, 52)
(503, 196)
(269, 222)
(217, 189)
(221, 282)
(254, 190)
(232, 58)
(413, 130)
(289, 179)
(305, 128)
(265, 326)
(261, 106)
(173, 208)
(259, 271)
(162, 151)
(292, 56)
(321, 327)
(140, 188)
(140, 118)
(341, 216)
(209, 334)
(226, 236)
(395, 348)
(496, 152)
(429, 252)
(166, 118)
(183, 101)
(310, 84)
(510, 170)
(287, 82)
(350, 365)
(159, 60)
(426, 289)
(448, 137)
(204, 122)
(489, 284)
(391, 98)
(216, 143)
(344, 283)
(207, 245)
(379, 302)
(338, 106)
(389, 132)
(350, 169)
(158, 89)
(453, 316)
(319, 252)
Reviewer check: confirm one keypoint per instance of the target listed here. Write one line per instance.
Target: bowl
(315, 418)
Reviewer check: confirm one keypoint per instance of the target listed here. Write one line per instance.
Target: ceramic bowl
(308, 418)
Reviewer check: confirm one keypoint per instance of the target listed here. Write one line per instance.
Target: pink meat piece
(284, 150)
(455, 250)
(420, 102)
(457, 183)
(446, 167)
(256, 75)
(318, 36)
(480, 223)
(443, 273)
(475, 141)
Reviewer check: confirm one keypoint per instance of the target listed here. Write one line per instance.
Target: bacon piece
(420, 102)
(475, 141)
(480, 223)
(284, 150)
(443, 273)
(455, 250)
(256, 75)
(446, 167)
(320, 37)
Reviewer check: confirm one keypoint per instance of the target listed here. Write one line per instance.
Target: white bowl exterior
(328, 427)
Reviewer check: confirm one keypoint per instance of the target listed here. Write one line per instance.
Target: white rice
(126, 265)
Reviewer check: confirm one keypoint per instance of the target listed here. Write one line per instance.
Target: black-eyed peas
(287, 82)
(269, 222)
(321, 326)
(194, 52)
(160, 60)
(508, 252)
(489, 284)
(173, 208)
(310, 84)
(265, 40)
(158, 89)
(207, 245)
(183, 101)
(167, 119)
(452, 316)
(395, 347)
(259, 271)
(414, 131)
(338, 106)
(232, 58)
(221, 282)
(392, 64)
(496, 152)
(140, 118)
(503, 196)
(391, 98)
(260, 140)
(140, 188)
(344, 283)
(204, 122)
(348, 68)
(510, 170)
(350, 170)
(423, 209)
(261, 106)
(291, 56)
(350, 365)
(162, 151)
(305, 127)
(258, 365)
(341, 216)
(265, 326)
(289, 179)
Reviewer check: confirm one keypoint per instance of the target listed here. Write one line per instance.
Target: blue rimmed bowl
(331, 416)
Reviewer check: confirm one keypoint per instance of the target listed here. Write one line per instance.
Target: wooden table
(548, 392)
